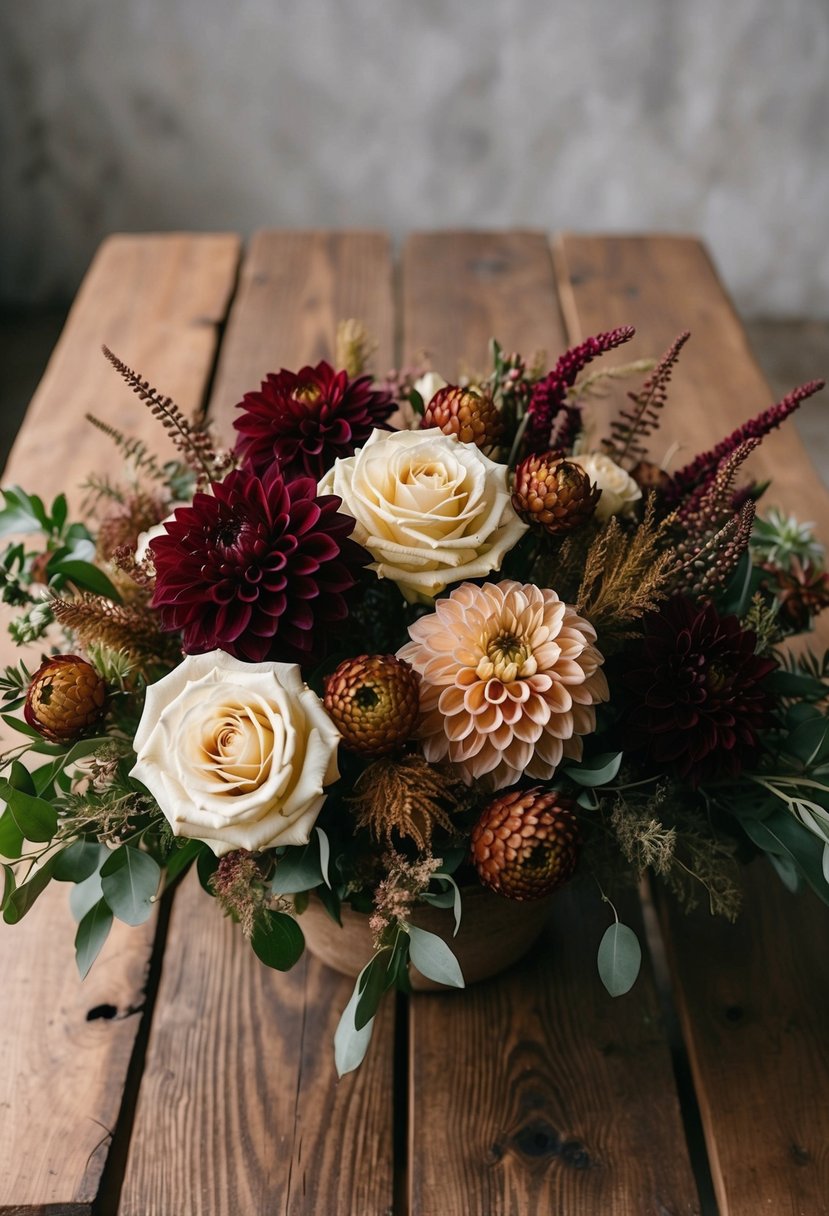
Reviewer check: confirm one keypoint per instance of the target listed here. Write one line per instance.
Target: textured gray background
(707, 115)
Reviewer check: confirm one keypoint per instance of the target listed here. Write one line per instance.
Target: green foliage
(91, 934)
(433, 958)
(277, 940)
(129, 882)
(619, 959)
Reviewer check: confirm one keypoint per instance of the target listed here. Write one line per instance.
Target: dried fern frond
(639, 422)
(133, 450)
(93, 619)
(625, 576)
(193, 442)
(408, 796)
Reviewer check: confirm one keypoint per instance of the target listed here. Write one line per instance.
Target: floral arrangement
(406, 638)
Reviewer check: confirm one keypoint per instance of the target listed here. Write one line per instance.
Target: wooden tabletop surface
(182, 1078)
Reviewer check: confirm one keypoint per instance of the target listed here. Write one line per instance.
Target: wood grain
(239, 1070)
(753, 998)
(533, 1092)
(294, 288)
(239, 1109)
(159, 301)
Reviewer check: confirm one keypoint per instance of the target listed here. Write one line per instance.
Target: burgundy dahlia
(304, 420)
(258, 568)
(699, 701)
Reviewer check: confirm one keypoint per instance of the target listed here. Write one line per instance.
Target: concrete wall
(699, 115)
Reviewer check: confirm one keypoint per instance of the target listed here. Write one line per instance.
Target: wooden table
(183, 1077)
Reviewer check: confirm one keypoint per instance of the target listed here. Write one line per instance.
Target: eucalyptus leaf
(8, 884)
(78, 860)
(787, 871)
(809, 741)
(129, 881)
(351, 1044)
(91, 934)
(298, 869)
(433, 958)
(375, 979)
(619, 959)
(23, 897)
(84, 895)
(598, 770)
(325, 855)
(278, 942)
(780, 833)
(181, 858)
(35, 818)
(22, 512)
(11, 837)
(455, 903)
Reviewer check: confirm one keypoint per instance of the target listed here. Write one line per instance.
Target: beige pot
(494, 933)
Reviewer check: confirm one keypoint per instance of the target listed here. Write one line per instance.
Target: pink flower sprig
(705, 466)
(550, 393)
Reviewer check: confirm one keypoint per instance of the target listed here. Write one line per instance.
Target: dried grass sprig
(93, 619)
(408, 796)
(639, 422)
(133, 450)
(625, 576)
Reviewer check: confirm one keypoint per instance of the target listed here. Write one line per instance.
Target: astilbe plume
(303, 421)
(704, 466)
(258, 568)
(549, 396)
(193, 442)
(408, 797)
(642, 418)
(398, 892)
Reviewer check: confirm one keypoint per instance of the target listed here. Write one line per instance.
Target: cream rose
(236, 754)
(618, 488)
(430, 510)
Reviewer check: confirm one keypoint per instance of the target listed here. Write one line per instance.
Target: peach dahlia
(510, 678)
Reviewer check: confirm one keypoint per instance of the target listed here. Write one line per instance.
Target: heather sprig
(638, 421)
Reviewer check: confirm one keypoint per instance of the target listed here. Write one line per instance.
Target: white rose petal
(618, 488)
(430, 509)
(236, 754)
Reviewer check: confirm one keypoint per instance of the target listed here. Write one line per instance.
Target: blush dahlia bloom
(257, 568)
(304, 420)
(510, 678)
(699, 700)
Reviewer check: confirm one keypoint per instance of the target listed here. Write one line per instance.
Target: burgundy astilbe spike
(693, 474)
(643, 417)
(713, 501)
(550, 393)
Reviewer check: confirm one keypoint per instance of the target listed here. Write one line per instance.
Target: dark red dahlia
(304, 420)
(699, 701)
(259, 568)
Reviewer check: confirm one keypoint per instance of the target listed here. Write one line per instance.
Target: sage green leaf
(325, 855)
(278, 942)
(433, 958)
(91, 935)
(598, 770)
(8, 884)
(351, 1044)
(619, 959)
(84, 895)
(35, 818)
(129, 881)
(78, 860)
(11, 837)
(298, 869)
(23, 897)
(374, 980)
(780, 833)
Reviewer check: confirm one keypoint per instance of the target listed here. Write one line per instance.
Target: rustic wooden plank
(556, 1097)
(752, 997)
(294, 288)
(159, 300)
(239, 1070)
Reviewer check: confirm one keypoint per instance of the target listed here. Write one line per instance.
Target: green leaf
(298, 869)
(46, 775)
(374, 981)
(21, 779)
(84, 895)
(787, 872)
(598, 770)
(8, 884)
(129, 881)
(451, 859)
(450, 897)
(351, 1044)
(780, 833)
(325, 855)
(180, 859)
(207, 863)
(84, 575)
(24, 896)
(22, 512)
(91, 935)
(78, 860)
(279, 942)
(809, 741)
(35, 818)
(59, 512)
(433, 958)
(619, 959)
(11, 837)
(331, 901)
(795, 684)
